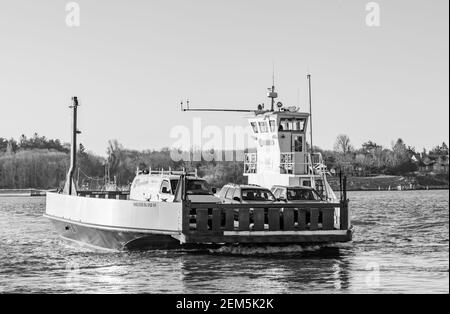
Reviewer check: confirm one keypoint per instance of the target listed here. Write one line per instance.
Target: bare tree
(343, 144)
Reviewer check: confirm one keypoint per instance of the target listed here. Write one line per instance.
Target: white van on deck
(160, 186)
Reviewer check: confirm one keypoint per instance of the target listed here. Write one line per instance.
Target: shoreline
(396, 190)
(31, 192)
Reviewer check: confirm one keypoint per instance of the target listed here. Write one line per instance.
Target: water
(401, 245)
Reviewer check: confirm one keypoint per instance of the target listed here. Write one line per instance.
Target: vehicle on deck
(295, 194)
(245, 194)
(160, 186)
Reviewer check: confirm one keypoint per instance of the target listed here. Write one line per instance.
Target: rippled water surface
(401, 245)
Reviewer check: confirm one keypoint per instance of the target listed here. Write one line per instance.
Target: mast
(310, 113)
(69, 186)
(272, 94)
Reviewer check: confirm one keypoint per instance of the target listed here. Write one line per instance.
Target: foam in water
(258, 250)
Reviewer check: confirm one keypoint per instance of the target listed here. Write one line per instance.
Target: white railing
(317, 164)
(250, 162)
(313, 163)
(287, 163)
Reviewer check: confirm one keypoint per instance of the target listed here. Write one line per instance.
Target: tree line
(374, 159)
(38, 162)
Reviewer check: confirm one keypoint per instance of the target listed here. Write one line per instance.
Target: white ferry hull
(111, 238)
(115, 224)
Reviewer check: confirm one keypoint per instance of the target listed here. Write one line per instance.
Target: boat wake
(265, 250)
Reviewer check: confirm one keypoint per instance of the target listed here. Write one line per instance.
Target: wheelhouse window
(254, 127)
(263, 127)
(299, 125)
(272, 124)
(296, 125)
(283, 125)
(298, 143)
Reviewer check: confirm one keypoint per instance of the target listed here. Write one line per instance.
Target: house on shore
(432, 163)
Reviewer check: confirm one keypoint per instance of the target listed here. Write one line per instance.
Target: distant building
(432, 163)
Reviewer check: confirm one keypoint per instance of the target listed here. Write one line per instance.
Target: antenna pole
(310, 113)
(273, 99)
(273, 87)
(69, 186)
(272, 94)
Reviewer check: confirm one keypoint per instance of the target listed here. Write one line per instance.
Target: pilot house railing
(288, 163)
(250, 162)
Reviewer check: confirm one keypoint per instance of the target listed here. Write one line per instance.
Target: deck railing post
(258, 219)
(328, 222)
(288, 219)
(216, 220)
(301, 224)
(344, 215)
(314, 219)
(185, 212)
(201, 219)
(274, 219)
(244, 219)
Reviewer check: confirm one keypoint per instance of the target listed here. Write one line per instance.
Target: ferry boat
(161, 211)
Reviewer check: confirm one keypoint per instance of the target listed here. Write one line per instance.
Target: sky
(130, 63)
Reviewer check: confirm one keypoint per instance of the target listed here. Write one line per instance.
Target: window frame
(296, 125)
(230, 189)
(296, 137)
(168, 185)
(283, 193)
(254, 126)
(225, 190)
(237, 193)
(272, 125)
(263, 127)
(277, 192)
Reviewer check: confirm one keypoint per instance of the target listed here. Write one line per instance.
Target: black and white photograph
(224, 154)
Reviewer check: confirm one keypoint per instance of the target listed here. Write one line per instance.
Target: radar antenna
(188, 108)
(260, 109)
(272, 94)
